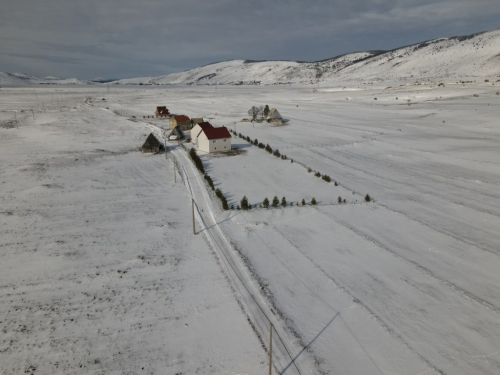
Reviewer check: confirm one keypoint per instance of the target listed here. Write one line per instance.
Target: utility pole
(192, 210)
(33, 113)
(271, 349)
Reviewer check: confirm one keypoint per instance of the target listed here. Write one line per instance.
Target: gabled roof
(205, 125)
(161, 110)
(216, 133)
(151, 141)
(181, 118)
(273, 113)
(197, 120)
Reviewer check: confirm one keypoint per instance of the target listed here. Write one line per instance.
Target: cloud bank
(124, 38)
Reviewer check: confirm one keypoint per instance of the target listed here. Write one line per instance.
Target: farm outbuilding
(182, 121)
(152, 145)
(213, 139)
(176, 134)
(274, 116)
(162, 111)
(196, 120)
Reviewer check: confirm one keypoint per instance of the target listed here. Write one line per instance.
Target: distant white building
(212, 139)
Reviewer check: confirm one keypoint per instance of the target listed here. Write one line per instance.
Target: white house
(197, 129)
(214, 139)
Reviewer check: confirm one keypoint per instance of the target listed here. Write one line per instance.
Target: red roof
(161, 110)
(216, 133)
(181, 118)
(205, 125)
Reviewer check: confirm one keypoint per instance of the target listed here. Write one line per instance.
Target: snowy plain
(99, 270)
(407, 284)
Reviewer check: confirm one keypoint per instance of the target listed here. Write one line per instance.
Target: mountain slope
(476, 55)
(22, 79)
(237, 72)
(470, 56)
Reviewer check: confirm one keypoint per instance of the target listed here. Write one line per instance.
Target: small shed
(196, 120)
(182, 121)
(274, 116)
(176, 134)
(162, 112)
(152, 145)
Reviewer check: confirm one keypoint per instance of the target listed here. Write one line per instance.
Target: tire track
(424, 270)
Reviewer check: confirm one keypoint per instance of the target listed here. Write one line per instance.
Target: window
(213, 141)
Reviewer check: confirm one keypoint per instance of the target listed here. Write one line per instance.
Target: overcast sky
(130, 38)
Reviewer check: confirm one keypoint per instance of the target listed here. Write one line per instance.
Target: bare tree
(261, 112)
(254, 112)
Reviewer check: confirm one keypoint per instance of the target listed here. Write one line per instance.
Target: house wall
(184, 125)
(194, 132)
(172, 123)
(213, 145)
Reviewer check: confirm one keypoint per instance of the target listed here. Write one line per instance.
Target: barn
(196, 120)
(162, 111)
(182, 121)
(152, 145)
(274, 116)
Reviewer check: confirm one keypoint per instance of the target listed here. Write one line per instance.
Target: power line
(236, 273)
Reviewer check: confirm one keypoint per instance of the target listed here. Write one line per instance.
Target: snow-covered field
(99, 270)
(407, 284)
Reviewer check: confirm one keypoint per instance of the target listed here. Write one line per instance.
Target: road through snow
(288, 354)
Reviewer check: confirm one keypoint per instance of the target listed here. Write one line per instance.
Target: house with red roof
(197, 130)
(182, 121)
(211, 139)
(162, 111)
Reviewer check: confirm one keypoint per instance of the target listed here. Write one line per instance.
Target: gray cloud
(124, 38)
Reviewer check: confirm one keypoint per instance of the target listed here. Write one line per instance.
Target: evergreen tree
(265, 203)
(266, 110)
(339, 199)
(256, 142)
(303, 202)
(368, 198)
(283, 202)
(276, 202)
(244, 203)
(313, 201)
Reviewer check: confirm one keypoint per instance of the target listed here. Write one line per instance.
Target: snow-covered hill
(239, 72)
(466, 57)
(470, 56)
(22, 79)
